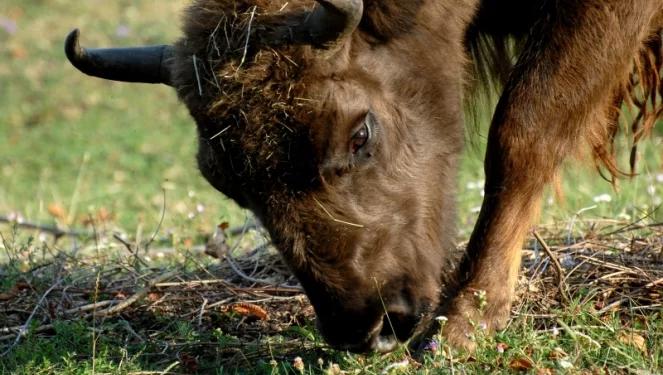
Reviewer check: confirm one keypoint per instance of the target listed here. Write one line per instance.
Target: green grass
(90, 148)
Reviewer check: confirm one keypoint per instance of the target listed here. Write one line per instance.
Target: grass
(76, 151)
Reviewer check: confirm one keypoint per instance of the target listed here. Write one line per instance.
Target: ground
(140, 267)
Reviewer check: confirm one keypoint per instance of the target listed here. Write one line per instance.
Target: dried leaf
(521, 364)
(7, 296)
(189, 362)
(104, 215)
(634, 340)
(14, 291)
(120, 295)
(557, 353)
(216, 245)
(248, 309)
(56, 210)
(153, 297)
(18, 52)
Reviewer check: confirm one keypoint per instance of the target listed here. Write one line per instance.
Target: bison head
(338, 123)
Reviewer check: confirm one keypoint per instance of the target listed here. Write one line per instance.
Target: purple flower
(123, 31)
(432, 346)
(8, 25)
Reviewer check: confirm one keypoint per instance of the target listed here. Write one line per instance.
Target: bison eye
(361, 137)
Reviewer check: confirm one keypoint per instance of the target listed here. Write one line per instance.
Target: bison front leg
(561, 96)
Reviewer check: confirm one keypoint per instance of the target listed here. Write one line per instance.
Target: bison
(340, 124)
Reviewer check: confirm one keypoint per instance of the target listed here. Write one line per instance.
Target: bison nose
(396, 326)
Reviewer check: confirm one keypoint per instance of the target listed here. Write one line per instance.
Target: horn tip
(72, 46)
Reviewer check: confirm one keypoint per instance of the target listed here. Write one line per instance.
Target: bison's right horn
(136, 64)
(333, 21)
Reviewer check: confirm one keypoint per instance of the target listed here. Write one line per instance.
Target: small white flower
(602, 198)
(563, 363)
(659, 178)
(624, 216)
(16, 217)
(651, 189)
(200, 208)
(441, 318)
(555, 331)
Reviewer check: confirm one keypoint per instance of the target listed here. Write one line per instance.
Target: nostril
(387, 325)
(399, 325)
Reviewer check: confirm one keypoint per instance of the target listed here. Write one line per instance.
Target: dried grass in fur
(247, 89)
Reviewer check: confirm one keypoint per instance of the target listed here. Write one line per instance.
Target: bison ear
(150, 64)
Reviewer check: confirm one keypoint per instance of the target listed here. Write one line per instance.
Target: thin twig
(243, 275)
(138, 295)
(23, 332)
(127, 245)
(88, 307)
(654, 283)
(558, 267)
(202, 312)
(54, 230)
(26, 325)
(158, 228)
(611, 306)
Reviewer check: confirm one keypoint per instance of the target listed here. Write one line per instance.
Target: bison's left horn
(136, 64)
(333, 21)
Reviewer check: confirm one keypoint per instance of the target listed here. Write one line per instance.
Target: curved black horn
(135, 64)
(333, 21)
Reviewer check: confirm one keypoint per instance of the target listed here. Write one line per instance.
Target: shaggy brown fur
(373, 232)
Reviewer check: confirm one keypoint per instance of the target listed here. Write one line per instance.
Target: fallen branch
(131, 300)
(22, 331)
(88, 307)
(54, 230)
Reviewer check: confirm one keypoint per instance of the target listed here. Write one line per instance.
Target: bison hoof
(470, 317)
